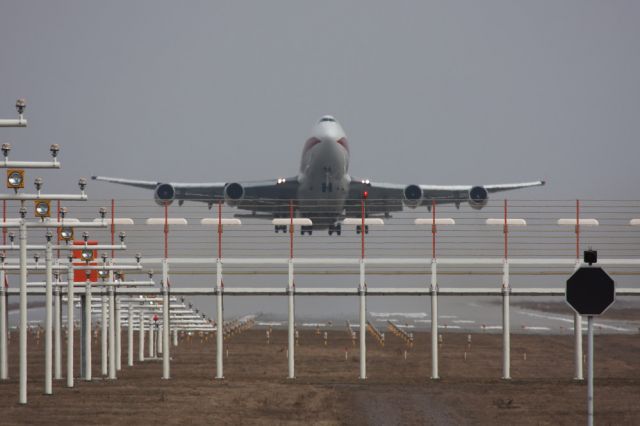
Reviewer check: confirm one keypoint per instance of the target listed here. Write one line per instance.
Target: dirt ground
(624, 311)
(327, 389)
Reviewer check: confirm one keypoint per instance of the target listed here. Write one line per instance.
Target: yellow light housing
(87, 255)
(65, 233)
(42, 208)
(15, 178)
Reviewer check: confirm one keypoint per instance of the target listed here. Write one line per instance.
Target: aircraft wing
(267, 196)
(383, 198)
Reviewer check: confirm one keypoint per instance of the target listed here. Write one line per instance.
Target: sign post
(590, 291)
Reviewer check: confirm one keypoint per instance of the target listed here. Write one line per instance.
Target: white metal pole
(292, 373)
(219, 323)
(118, 332)
(88, 331)
(70, 303)
(434, 320)
(577, 324)
(506, 327)
(23, 312)
(175, 337)
(4, 372)
(112, 331)
(83, 330)
(150, 343)
(130, 337)
(165, 320)
(590, 370)
(363, 323)
(57, 329)
(141, 321)
(159, 336)
(48, 327)
(577, 333)
(104, 358)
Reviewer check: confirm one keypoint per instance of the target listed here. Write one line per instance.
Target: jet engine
(478, 197)
(233, 193)
(164, 194)
(412, 196)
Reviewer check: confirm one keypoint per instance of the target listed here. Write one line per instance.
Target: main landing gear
(359, 229)
(279, 228)
(307, 229)
(337, 228)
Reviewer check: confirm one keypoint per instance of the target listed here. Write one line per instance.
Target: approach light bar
(298, 221)
(509, 221)
(437, 221)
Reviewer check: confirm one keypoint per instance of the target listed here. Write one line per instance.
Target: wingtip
(543, 182)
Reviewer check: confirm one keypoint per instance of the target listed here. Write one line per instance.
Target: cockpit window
(327, 119)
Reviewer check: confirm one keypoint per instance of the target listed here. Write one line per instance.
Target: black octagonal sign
(590, 291)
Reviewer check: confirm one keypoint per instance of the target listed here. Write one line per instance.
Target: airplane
(322, 191)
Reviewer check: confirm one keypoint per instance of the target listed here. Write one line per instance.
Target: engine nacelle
(412, 196)
(478, 197)
(164, 194)
(233, 193)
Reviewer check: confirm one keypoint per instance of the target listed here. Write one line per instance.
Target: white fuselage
(324, 178)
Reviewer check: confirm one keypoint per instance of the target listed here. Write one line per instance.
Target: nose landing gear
(337, 228)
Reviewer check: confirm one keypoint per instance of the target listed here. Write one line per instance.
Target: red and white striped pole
(166, 326)
(219, 306)
(506, 290)
(434, 296)
(577, 319)
(291, 307)
(362, 291)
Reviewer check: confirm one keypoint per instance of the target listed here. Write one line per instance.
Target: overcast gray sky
(428, 92)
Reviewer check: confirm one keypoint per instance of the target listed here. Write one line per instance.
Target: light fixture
(38, 182)
(103, 274)
(43, 208)
(6, 149)
(21, 104)
(66, 233)
(15, 178)
(86, 255)
(54, 148)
